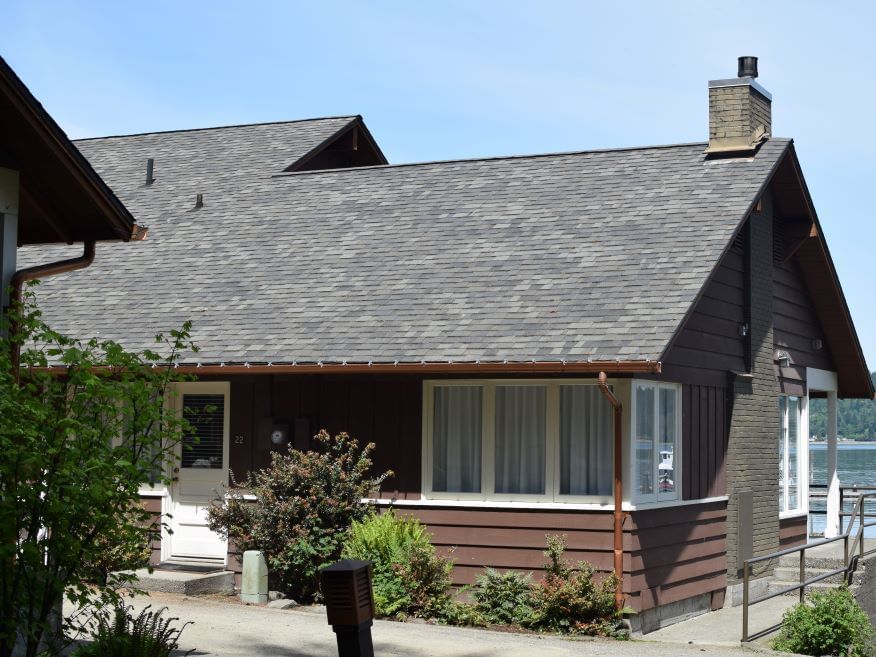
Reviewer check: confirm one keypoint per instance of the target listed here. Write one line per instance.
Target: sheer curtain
(456, 439)
(520, 439)
(586, 420)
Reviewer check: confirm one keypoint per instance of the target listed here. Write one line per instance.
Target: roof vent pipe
(747, 67)
(150, 163)
(199, 201)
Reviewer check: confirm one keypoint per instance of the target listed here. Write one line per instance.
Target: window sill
(536, 506)
(786, 515)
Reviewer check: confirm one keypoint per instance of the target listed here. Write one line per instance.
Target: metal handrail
(851, 557)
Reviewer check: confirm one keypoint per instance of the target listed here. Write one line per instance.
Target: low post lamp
(349, 604)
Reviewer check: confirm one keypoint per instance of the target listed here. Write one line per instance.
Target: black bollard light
(349, 604)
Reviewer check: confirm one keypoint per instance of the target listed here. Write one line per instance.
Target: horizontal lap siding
(669, 554)
(709, 344)
(795, 326)
(793, 531)
(676, 553)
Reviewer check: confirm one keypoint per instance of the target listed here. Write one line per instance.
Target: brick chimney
(739, 111)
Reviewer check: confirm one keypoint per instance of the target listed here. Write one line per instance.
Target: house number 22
(238, 440)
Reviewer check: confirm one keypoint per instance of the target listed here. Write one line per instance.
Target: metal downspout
(618, 489)
(41, 271)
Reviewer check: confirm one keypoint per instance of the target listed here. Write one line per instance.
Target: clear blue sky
(449, 79)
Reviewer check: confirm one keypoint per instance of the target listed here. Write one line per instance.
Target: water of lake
(856, 464)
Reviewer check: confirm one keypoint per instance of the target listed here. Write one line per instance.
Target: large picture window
(791, 454)
(518, 440)
(656, 431)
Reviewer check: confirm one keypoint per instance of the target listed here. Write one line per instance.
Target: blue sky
(439, 80)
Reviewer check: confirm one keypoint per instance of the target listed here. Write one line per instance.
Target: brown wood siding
(793, 531)
(795, 326)
(709, 344)
(153, 506)
(669, 554)
(385, 410)
(703, 441)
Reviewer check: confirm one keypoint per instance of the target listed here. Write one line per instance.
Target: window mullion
(552, 439)
(488, 471)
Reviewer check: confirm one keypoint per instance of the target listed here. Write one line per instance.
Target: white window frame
(677, 456)
(488, 463)
(802, 458)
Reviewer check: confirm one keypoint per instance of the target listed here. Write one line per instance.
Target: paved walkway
(225, 629)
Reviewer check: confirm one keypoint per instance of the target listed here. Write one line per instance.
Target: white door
(201, 471)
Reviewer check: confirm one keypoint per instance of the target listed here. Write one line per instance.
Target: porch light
(783, 358)
(743, 330)
(817, 344)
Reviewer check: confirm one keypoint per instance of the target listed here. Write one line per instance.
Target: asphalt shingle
(595, 255)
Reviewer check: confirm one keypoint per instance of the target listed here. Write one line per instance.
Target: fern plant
(121, 634)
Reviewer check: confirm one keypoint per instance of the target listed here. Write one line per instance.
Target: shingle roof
(594, 255)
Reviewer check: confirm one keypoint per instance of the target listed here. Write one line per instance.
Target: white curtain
(520, 439)
(456, 439)
(586, 458)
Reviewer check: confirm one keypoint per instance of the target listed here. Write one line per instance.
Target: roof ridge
(221, 127)
(493, 158)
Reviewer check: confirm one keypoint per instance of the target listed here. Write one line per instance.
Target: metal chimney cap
(747, 67)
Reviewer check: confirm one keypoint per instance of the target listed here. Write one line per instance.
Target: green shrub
(829, 623)
(304, 507)
(121, 634)
(409, 578)
(570, 601)
(504, 598)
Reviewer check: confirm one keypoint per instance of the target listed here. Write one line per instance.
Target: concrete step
(775, 587)
(792, 575)
(174, 581)
(812, 561)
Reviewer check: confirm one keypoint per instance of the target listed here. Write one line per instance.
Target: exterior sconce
(783, 358)
(817, 344)
(743, 330)
(279, 435)
(349, 605)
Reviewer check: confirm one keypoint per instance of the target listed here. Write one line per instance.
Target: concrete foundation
(169, 581)
(665, 615)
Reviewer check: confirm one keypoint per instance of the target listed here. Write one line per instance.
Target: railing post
(802, 575)
(745, 601)
(842, 507)
(861, 529)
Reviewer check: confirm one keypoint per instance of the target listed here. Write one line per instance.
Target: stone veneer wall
(752, 453)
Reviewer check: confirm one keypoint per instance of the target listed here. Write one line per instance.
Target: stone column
(8, 229)
(832, 524)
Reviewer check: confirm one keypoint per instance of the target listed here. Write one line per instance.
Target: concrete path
(225, 629)
(724, 627)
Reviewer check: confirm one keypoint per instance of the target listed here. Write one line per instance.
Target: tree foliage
(856, 418)
(74, 450)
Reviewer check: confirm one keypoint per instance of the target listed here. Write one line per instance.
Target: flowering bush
(409, 578)
(304, 507)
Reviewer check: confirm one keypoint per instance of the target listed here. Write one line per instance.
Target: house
(526, 339)
(48, 191)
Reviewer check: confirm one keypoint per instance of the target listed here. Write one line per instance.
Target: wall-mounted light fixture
(743, 330)
(279, 435)
(817, 344)
(783, 358)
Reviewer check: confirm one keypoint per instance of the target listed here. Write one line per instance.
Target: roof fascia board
(847, 315)
(355, 122)
(30, 109)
